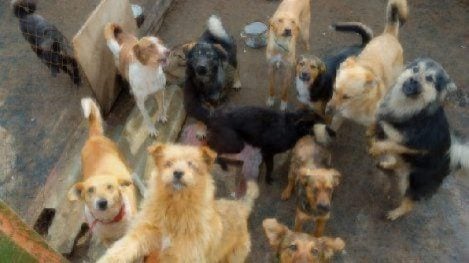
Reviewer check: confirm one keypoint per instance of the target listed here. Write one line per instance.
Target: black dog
(46, 40)
(271, 131)
(413, 134)
(315, 78)
(212, 69)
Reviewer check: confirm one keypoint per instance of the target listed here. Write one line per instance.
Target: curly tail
(252, 192)
(22, 8)
(91, 112)
(363, 30)
(112, 34)
(459, 153)
(396, 15)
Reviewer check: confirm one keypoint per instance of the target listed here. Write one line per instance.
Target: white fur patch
(145, 80)
(86, 104)
(165, 243)
(216, 27)
(320, 133)
(115, 50)
(459, 154)
(283, 105)
(302, 89)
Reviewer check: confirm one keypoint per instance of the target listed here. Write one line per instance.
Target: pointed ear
(156, 150)
(349, 62)
(331, 246)
(335, 177)
(274, 231)
(124, 182)
(221, 51)
(208, 155)
(74, 193)
(186, 48)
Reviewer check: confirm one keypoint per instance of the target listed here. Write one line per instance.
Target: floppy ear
(221, 51)
(137, 49)
(336, 177)
(186, 48)
(156, 150)
(124, 182)
(74, 193)
(331, 246)
(274, 231)
(208, 155)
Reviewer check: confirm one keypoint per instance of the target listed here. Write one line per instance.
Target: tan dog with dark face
(363, 81)
(308, 68)
(290, 21)
(314, 182)
(106, 189)
(295, 247)
(180, 218)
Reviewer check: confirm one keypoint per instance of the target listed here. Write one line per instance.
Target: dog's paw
(387, 163)
(152, 131)
(163, 118)
(201, 135)
(270, 101)
(237, 85)
(285, 195)
(394, 214)
(283, 105)
(374, 150)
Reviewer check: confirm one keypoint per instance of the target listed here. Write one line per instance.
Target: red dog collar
(116, 219)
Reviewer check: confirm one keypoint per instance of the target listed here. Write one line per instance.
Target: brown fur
(314, 66)
(299, 247)
(314, 180)
(294, 15)
(181, 219)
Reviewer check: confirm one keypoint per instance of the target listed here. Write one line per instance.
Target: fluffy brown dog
(299, 247)
(363, 81)
(291, 20)
(106, 189)
(180, 217)
(315, 182)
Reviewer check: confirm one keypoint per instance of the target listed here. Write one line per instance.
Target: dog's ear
(303, 175)
(221, 51)
(322, 67)
(186, 48)
(335, 177)
(329, 246)
(156, 150)
(349, 62)
(208, 155)
(274, 231)
(74, 193)
(124, 182)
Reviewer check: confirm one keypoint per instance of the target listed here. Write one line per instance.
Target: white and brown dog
(106, 189)
(141, 63)
(292, 19)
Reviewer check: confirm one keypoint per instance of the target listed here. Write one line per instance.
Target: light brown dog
(314, 181)
(298, 247)
(290, 21)
(362, 81)
(180, 217)
(106, 189)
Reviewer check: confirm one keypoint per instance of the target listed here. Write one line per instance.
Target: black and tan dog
(413, 136)
(271, 131)
(49, 44)
(310, 172)
(212, 70)
(315, 78)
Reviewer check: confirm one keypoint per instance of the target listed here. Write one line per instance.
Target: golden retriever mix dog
(141, 63)
(363, 81)
(180, 217)
(106, 189)
(295, 247)
(314, 183)
(291, 20)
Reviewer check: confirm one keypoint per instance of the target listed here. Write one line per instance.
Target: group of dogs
(180, 221)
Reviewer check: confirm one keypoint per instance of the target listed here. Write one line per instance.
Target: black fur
(271, 131)
(46, 40)
(321, 89)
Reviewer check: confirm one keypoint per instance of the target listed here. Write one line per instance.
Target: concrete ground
(437, 231)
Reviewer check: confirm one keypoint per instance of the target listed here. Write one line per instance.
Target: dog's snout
(102, 204)
(201, 70)
(323, 207)
(166, 52)
(287, 32)
(411, 87)
(305, 76)
(178, 174)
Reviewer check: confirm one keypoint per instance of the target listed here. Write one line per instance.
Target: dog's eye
(415, 69)
(302, 63)
(312, 66)
(280, 20)
(314, 251)
(345, 97)
(109, 187)
(191, 164)
(429, 78)
(293, 247)
(91, 190)
(168, 164)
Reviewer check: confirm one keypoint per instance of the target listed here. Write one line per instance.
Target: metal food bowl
(255, 35)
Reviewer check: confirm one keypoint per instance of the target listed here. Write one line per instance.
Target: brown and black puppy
(314, 181)
(295, 247)
(290, 21)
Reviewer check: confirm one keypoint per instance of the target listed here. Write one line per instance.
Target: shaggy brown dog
(106, 189)
(363, 81)
(299, 247)
(180, 217)
(291, 19)
(315, 182)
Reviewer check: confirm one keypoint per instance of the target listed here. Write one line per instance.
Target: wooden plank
(94, 56)
(154, 16)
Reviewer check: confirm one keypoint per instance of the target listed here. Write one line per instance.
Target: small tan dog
(295, 247)
(292, 19)
(106, 189)
(180, 217)
(315, 182)
(363, 81)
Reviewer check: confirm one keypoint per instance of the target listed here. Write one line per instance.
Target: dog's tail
(252, 192)
(113, 35)
(216, 29)
(363, 30)
(396, 16)
(22, 8)
(323, 134)
(91, 112)
(459, 153)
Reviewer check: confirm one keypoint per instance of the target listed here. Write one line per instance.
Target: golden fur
(299, 247)
(292, 16)
(315, 181)
(105, 177)
(180, 217)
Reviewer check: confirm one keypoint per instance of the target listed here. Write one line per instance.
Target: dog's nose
(178, 174)
(167, 52)
(305, 76)
(102, 204)
(329, 110)
(323, 207)
(411, 87)
(287, 32)
(201, 70)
